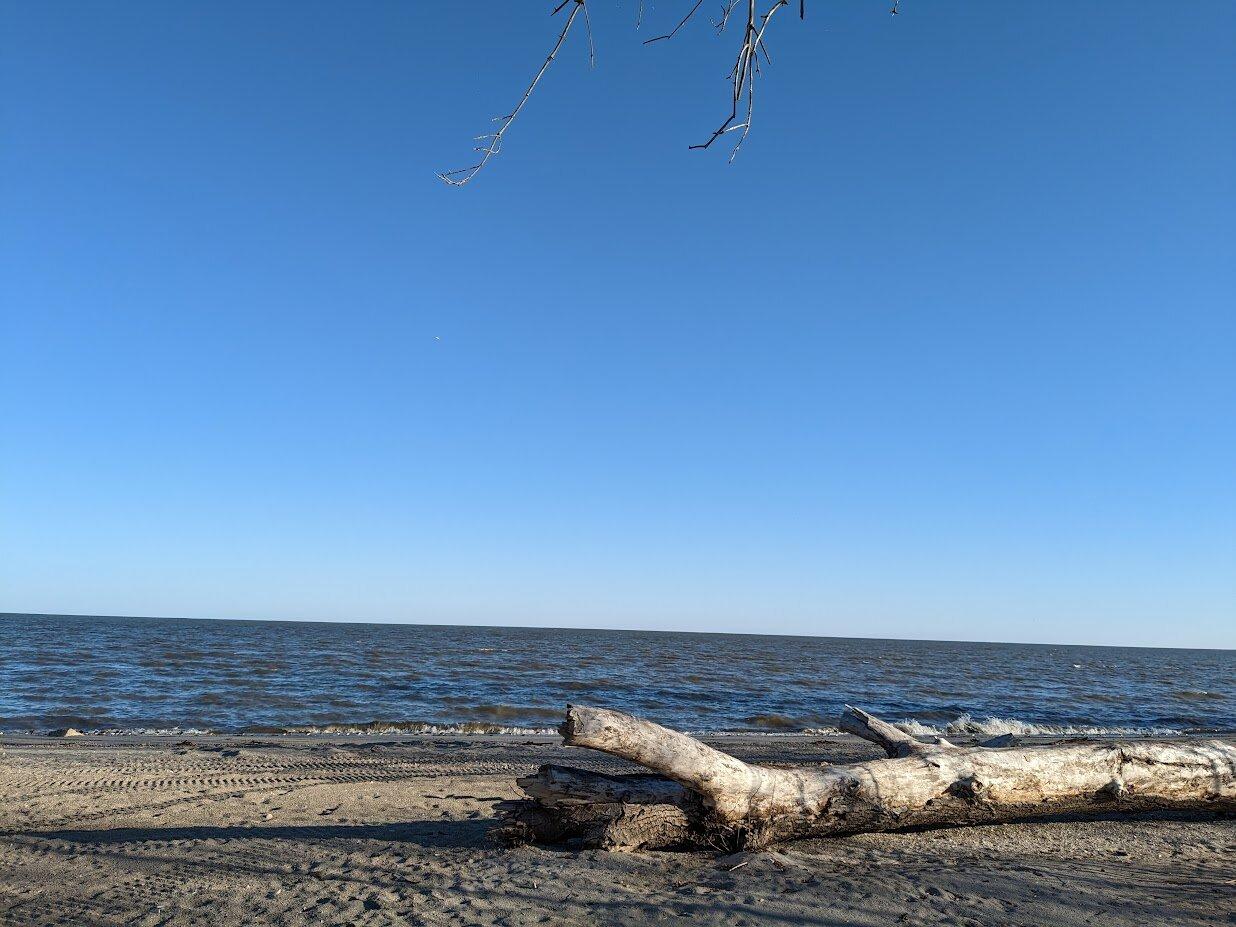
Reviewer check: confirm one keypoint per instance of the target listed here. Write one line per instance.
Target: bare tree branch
(673, 32)
(746, 70)
(461, 176)
(752, 55)
(592, 47)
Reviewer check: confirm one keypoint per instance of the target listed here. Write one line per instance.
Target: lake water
(143, 674)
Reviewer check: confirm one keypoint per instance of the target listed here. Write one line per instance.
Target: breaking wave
(402, 727)
(966, 724)
(125, 731)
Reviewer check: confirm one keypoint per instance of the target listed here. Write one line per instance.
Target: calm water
(151, 674)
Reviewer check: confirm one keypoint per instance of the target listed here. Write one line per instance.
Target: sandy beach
(290, 831)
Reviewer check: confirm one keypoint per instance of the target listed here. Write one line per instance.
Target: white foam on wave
(333, 730)
(128, 731)
(739, 732)
(963, 725)
(413, 727)
(991, 727)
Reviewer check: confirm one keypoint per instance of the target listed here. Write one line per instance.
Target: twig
(592, 48)
(457, 178)
(753, 54)
(673, 32)
(745, 71)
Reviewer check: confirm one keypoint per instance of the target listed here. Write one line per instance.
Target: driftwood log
(701, 797)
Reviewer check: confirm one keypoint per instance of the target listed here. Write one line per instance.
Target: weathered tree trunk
(703, 797)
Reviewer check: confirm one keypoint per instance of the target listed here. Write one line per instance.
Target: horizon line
(534, 627)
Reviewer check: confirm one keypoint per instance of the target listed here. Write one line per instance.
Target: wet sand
(291, 831)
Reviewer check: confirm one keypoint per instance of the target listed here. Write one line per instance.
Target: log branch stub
(894, 741)
(554, 784)
(733, 790)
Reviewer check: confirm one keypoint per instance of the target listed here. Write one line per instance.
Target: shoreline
(547, 738)
(963, 728)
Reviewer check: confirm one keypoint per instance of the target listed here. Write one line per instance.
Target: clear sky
(948, 352)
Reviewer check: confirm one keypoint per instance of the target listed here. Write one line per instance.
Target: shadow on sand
(425, 833)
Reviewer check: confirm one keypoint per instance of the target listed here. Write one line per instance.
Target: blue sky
(947, 352)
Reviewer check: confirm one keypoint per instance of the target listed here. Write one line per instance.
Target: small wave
(990, 727)
(503, 712)
(774, 722)
(405, 727)
(1199, 695)
(128, 731)
(804, 732)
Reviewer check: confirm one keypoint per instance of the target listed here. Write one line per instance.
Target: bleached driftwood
(700, 796)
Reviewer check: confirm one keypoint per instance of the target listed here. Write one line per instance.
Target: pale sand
(109, 831)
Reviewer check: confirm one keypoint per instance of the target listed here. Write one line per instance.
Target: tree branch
(461, 176)
(752, 55)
